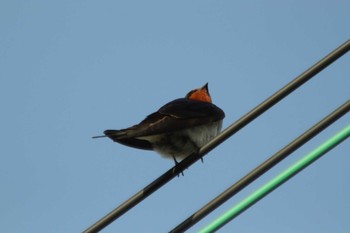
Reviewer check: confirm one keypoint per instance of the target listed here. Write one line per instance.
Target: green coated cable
(277, 181)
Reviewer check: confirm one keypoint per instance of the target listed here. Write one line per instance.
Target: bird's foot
(201, 157)
(176, 163)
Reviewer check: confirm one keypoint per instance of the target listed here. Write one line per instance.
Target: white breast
(200, 135)
(182, 143)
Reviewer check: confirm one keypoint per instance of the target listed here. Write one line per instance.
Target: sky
(71, 69)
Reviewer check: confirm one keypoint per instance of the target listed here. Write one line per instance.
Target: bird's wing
(176, 115)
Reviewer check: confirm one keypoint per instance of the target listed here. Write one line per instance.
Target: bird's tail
(122, 137)
(101, 136)
(113, 134)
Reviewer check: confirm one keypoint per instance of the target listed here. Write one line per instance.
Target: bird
(178, 129)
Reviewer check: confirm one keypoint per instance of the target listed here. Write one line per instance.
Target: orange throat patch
(201, 95)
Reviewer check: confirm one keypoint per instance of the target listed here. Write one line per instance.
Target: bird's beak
(205, 87)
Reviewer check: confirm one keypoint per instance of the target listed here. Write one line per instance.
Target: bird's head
(200, 94)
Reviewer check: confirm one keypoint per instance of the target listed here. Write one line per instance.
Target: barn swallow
(177, 129)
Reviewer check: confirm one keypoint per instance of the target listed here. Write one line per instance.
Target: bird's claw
(176, 163)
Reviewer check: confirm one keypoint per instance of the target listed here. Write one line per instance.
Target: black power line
(228, 132)
(261, 169)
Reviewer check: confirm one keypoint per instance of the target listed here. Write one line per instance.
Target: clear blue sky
(71, 69)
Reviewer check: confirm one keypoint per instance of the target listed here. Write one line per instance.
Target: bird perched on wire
(177, 129)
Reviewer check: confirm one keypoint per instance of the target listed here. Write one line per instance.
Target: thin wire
(236, 126)
(261, 169)
(277, 181)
